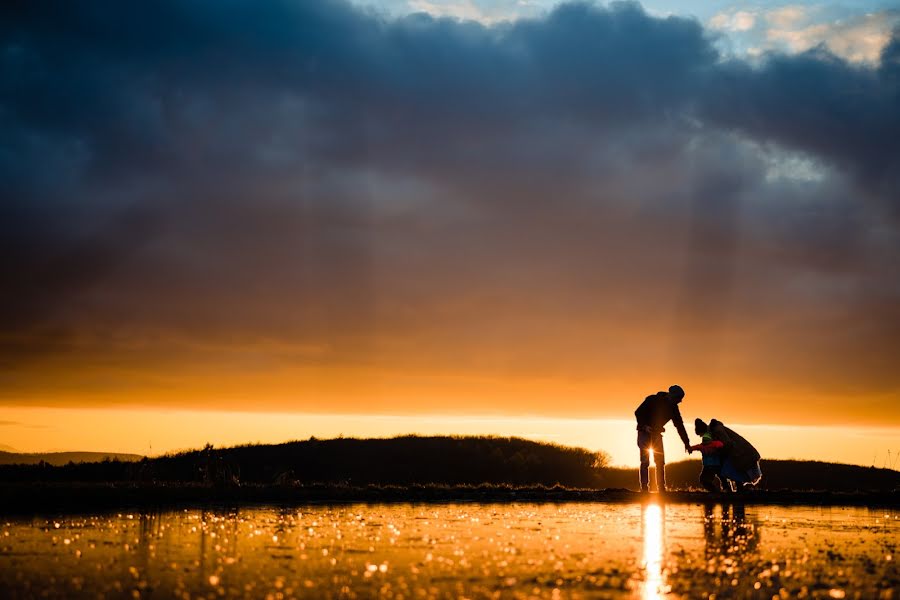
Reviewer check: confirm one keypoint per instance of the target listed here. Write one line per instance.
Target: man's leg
(645, 469)
(659, 459)
(643, 442)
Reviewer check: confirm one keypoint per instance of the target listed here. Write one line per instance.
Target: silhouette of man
(652, 415)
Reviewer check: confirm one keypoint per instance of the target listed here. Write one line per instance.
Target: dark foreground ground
(20, 498)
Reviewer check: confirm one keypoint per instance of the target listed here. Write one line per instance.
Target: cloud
(461, 10)
(735, 20)
(859, 39)
(817, 103)
(787, 16)
(485, 13)
(314, 206)
(854, 36)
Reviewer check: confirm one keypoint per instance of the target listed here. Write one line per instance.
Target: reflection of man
(736, 533)
(652, 415)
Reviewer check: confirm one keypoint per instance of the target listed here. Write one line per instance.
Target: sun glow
(146, 430)
(155, 431)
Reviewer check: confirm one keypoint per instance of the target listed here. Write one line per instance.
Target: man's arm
(679, 425)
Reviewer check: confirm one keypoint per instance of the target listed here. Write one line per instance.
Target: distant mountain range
(62, 458)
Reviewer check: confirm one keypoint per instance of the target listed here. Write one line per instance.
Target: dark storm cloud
(122, 80)
(122, 86)
(310, 172)
(816, 102)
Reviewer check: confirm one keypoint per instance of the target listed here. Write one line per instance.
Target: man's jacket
(657, 410)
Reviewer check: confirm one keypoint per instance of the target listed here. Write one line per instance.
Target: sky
(238, 221)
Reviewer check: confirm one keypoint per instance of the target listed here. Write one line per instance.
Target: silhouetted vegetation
(62, 458)
(397, 461)
(412, 460)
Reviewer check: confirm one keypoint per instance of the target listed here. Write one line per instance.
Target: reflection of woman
(740, 461)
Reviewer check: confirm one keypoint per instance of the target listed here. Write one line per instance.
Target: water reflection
(728, 531)
(653, 522)
(731, 542)
(509, 550)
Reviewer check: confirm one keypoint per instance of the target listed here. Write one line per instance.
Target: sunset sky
(243, 221)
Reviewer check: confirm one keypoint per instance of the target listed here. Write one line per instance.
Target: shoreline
(37, 498)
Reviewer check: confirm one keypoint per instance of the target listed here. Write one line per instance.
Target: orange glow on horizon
(255, 379)
(155, 431)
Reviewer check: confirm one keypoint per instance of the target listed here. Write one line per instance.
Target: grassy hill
(396, 461)
(414, 460)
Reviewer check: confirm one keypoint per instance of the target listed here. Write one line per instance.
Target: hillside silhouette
(414, 460)
(396, 461)
(62, 458)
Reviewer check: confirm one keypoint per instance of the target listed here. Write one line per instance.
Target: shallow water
(458, 550)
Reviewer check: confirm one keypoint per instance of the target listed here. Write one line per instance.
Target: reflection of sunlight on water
(457, 550)
(653, 552)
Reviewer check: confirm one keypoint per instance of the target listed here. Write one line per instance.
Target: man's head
(700, 427)
(676, 393)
